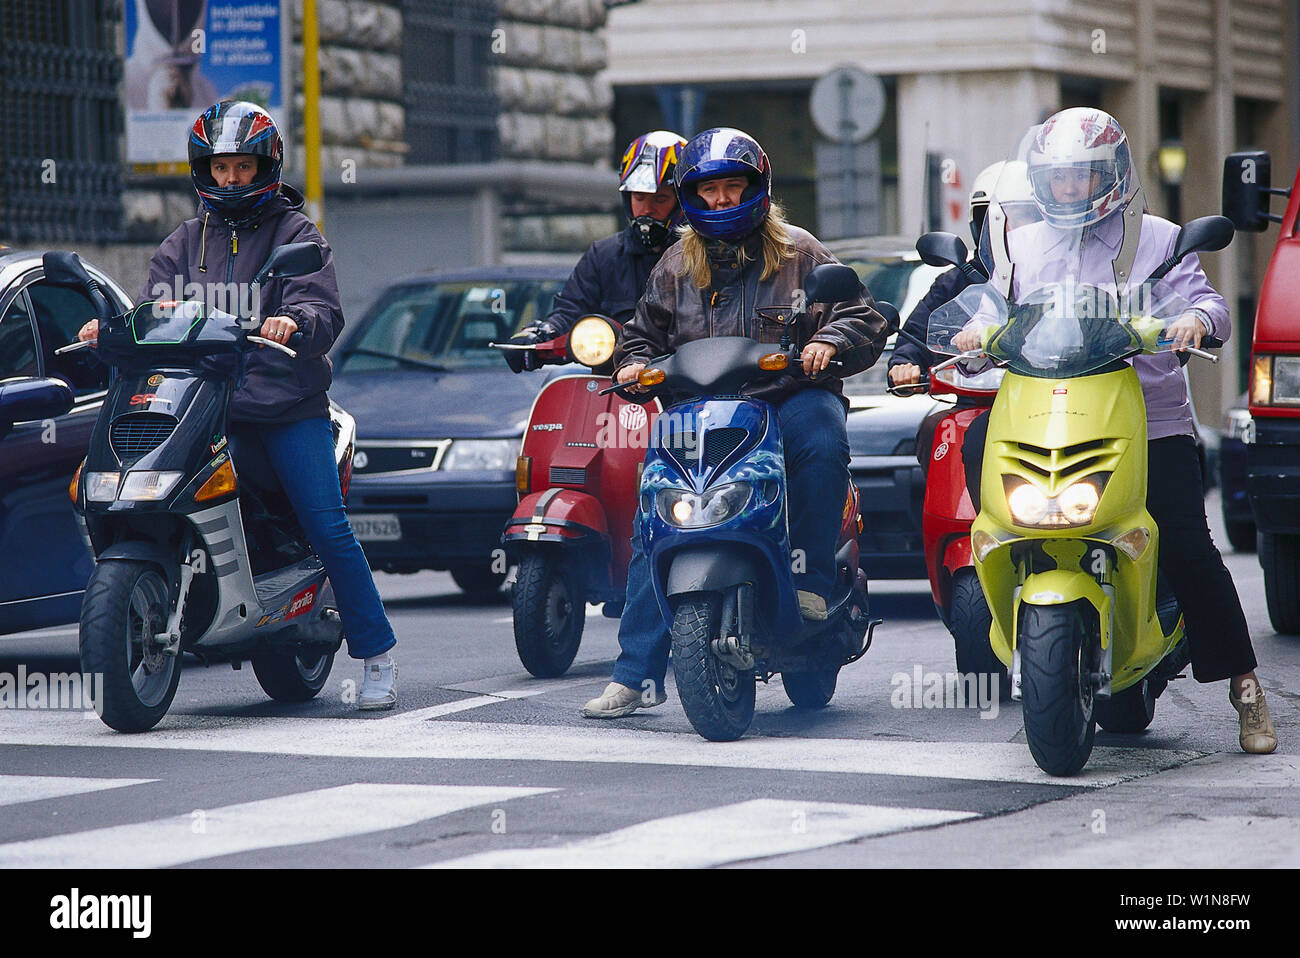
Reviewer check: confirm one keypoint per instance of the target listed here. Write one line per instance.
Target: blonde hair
(778, 247)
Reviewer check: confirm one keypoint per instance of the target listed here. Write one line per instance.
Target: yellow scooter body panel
(1054, 433)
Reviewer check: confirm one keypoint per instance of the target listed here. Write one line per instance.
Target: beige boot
(812, 606)
(1257, 733)
(618, 700)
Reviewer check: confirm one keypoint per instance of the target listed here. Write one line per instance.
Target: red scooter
(577, 477)
(947, 515)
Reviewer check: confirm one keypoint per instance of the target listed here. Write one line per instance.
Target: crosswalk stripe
(483, 741)
(34, 788)
(297, 819)
(461, 705)
(761, 828)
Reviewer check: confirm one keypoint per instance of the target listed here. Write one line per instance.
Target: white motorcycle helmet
(1074, 141)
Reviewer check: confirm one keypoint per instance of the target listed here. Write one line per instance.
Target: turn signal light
(523, 474)
(774, 362)
(650, 377)
(220, 483)
(76, 478)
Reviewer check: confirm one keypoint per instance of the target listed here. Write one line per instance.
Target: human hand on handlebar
(905, 374)
(1186, 330)
(89, 333)
(628, 374)
(967, 339)
(816, 357)
(278, 329)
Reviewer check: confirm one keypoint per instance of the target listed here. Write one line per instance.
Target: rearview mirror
(292, 259)
(1247, 181)
(1204, 234)
(64, 268)
(31, 398)
(890, 312)
(831, 283)
(941, 249)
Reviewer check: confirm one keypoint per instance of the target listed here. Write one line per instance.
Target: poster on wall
(184, 55)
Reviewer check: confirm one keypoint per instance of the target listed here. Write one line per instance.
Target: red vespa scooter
(577, 478)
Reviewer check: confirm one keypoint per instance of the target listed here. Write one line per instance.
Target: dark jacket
(674, 311)
(207, 252)
(944, 289)
(609, 279)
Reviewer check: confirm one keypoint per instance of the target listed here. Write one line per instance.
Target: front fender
(1062, 587)
(557, 515)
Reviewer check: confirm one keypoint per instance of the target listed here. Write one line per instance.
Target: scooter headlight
(1028, 503)
(686, 510)
(1075, 506)
(102, 486)
(148, 486)
(592, 340)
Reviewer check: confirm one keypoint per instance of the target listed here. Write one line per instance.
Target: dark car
(1238, 517)
(440, 417)
(882, 428)
(44, 560)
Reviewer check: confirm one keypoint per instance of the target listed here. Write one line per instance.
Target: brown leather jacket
(674, 310)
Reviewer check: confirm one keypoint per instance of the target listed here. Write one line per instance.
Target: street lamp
(1171, 160)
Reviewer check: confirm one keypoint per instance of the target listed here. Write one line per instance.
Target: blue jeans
(816, 446)
(302, 454)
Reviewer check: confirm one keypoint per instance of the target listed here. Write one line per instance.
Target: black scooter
(191, 554)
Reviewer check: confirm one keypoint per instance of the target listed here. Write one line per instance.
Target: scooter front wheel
(718, 697)
(550, 612)
(125, 607)
(1056, 666)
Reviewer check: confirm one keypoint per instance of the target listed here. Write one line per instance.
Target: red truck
(1273, 444)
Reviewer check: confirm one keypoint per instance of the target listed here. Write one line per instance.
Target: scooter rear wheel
(126, 605)
(810, 690)
(1129, 711)
(550, 612)
(1056, 666)
(293, 676)
(717, 697)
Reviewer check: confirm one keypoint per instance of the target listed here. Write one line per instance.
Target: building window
(451, 111)
(60, 121)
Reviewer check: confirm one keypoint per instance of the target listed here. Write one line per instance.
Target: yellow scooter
(1064, 546)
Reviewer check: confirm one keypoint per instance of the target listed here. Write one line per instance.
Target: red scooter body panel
(947, 514)
(590, 446)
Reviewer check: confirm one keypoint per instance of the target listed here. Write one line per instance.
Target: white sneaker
(379, 687)
(618, 700)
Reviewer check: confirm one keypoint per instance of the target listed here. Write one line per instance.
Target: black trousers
(1217, 635)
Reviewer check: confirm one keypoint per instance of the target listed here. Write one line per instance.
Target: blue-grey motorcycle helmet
(717, 153)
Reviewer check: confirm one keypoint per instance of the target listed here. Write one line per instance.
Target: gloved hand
(520, 359)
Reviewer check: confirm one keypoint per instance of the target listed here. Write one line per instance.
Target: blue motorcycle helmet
(716, 153)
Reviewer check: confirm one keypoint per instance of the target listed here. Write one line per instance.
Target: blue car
(440, 418)
(44, 561)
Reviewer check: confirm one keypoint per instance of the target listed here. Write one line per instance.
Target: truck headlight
(482, 454)
(148, 486)
(685, 509)
(1275, 380)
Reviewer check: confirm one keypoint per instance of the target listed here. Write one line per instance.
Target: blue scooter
(713, 522)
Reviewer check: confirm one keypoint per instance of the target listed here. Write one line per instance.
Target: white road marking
(297, 819)
(35, 788)
(39, 634)
(483, 741)
(755, 829)
(462, 705)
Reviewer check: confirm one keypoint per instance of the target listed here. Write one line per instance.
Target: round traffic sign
(848, 104)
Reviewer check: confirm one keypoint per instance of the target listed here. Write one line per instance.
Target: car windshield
(447, 325)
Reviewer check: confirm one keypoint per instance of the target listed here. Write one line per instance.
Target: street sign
(847, 104)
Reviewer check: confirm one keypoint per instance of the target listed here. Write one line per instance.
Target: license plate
(376, 528)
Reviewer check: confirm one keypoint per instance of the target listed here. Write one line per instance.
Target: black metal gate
(60, 121)
(451, 111)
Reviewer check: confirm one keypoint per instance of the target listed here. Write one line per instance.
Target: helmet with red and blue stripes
(230, 127)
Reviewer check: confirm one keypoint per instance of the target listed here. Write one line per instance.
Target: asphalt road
(482, 765)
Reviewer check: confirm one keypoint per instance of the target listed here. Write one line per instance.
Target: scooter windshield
(175, 324)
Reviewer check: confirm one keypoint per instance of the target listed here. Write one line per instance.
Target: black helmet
(236, 126)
